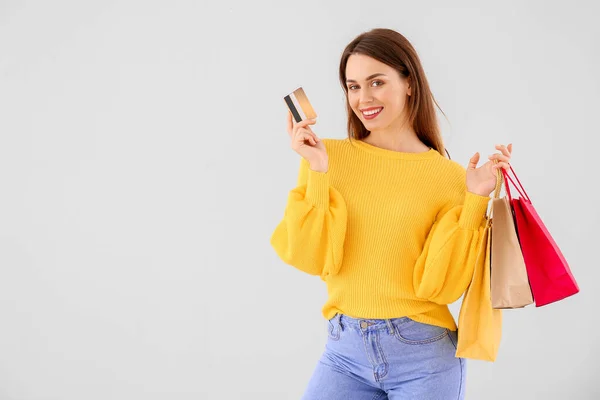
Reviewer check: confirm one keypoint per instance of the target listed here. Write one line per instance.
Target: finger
(503, 149)
(473, 161)
(313, 137)
(290, 124)
(310, 133)
(305, 136)
(306, 122)
(501, 164)
(500, 157)
(510, 148)
(306, 128)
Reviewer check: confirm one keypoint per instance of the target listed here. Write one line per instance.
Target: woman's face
(373, 85)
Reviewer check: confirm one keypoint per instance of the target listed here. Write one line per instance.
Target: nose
(365, 97)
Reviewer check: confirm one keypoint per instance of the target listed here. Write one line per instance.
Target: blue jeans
(377, 359)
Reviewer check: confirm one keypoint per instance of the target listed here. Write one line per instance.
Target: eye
(379, 84)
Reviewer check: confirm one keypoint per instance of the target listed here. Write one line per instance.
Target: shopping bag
(510, 284)
(549, 274)
(479, 324)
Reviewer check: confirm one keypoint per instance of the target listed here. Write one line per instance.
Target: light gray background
(144, 164)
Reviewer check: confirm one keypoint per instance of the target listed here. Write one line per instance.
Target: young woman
(391, 226)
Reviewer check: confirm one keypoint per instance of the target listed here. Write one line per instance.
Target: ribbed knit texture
(392, 234)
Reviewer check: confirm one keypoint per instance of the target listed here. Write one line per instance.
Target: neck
(390, 138)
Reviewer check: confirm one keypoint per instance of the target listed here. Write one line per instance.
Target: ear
(409, 90)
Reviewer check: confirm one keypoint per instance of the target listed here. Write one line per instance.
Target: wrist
(474, 210)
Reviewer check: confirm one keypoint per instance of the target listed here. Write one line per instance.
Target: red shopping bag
(549, 274)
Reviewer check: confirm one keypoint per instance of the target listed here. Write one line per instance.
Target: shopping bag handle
(498, 187)
(496, 194)
(506, 185)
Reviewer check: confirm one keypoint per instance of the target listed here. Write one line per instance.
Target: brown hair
(393, 49)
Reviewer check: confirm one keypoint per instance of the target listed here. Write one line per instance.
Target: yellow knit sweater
(392, 234)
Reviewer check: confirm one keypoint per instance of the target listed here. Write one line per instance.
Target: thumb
(473, 161)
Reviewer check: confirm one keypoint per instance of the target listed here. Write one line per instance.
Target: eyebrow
(368, 77)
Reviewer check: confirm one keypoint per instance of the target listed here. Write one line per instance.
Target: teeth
(371, 112)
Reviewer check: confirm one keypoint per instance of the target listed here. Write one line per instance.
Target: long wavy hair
(393, 49)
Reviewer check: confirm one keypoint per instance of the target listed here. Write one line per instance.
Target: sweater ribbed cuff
(317, 188)
(473, 211)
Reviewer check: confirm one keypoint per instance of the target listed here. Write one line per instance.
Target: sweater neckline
(378, 151)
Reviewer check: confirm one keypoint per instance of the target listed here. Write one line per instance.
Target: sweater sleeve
(445, 267)
(311, 234)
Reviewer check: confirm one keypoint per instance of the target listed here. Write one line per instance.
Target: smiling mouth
(372, 113)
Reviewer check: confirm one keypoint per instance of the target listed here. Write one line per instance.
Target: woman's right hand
(307, 144)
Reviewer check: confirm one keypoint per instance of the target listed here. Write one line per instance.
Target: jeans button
(363, 324)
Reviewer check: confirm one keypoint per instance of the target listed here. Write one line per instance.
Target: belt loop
(390, 326)
(339, 320)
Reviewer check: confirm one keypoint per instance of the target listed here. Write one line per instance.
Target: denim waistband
(368, 323)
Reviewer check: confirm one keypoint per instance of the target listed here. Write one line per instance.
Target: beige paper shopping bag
(509, 281)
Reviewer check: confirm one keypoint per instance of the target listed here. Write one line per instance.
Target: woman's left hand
(482, 180)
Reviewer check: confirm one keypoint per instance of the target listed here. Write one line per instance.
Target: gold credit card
(299, 105)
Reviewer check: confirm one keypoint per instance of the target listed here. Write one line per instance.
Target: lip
(370, 108)
(369, 117)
